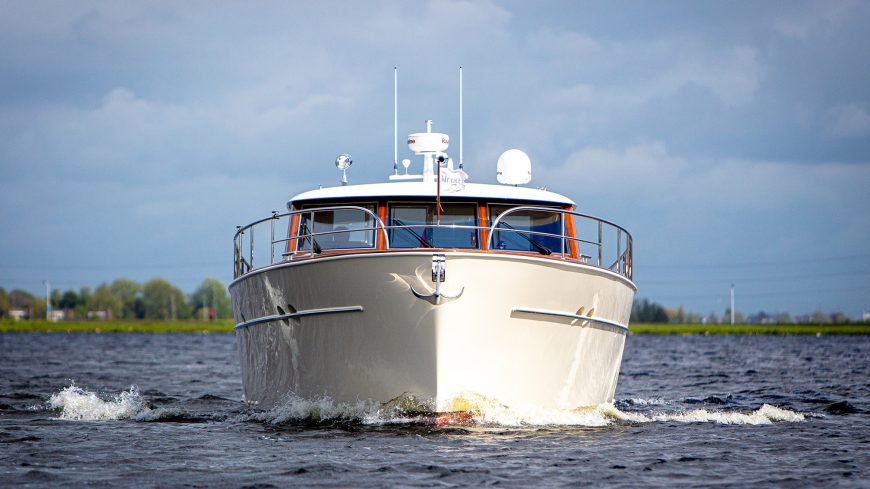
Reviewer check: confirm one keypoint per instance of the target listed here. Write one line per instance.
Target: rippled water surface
(165, 410)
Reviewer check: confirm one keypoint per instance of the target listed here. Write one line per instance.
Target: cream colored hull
(399, 344)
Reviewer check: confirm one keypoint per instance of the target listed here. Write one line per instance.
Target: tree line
(646, 311)
(125, 299)
(158, 299)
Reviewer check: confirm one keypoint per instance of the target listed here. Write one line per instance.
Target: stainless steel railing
(606, 245)
(242, 266)
(621, 264)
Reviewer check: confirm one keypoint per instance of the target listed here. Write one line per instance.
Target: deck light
(343, 162)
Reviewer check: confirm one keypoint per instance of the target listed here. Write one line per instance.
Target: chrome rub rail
(306, 312)
(567, 315)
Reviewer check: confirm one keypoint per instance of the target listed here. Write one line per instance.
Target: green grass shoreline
(769, 329)
(226, 326)
(218, 326)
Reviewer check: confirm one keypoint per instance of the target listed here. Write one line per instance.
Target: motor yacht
(433, 288)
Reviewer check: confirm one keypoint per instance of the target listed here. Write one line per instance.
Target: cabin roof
(420, 189)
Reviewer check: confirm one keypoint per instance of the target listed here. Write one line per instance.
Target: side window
(537, 231)
(339, 229)
(414, 226)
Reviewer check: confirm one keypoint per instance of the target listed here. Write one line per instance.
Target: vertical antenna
(395, 120)
(460, 117)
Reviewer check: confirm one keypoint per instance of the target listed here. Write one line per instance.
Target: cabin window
(413, 226)
(339, 229)
(510, 234)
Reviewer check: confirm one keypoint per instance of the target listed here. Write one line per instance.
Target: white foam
(655, 401)
(766, 414)
(76, 403)
(316, 410)
(518, 417)
(490, 413)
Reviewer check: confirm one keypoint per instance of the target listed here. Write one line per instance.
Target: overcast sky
(732, 139)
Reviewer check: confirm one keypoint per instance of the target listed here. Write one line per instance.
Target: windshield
(413, 226)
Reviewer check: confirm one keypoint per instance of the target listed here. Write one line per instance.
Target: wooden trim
(292, 231)
(379, 234)
(483, 222)
(573, 246)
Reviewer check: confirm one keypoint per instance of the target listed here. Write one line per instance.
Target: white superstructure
(427, 190)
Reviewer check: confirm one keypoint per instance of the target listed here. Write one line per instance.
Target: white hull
(399, 344)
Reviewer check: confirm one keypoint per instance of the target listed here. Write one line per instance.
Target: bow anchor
(439, 274)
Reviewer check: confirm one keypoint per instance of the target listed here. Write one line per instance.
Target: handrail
(242, 266)
(622, 265)
(561, 211)
(240, 229)
(243, 260)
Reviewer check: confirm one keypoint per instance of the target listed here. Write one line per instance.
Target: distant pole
(732, 304)
(47, 300)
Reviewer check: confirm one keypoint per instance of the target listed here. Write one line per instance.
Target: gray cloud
(143, 133)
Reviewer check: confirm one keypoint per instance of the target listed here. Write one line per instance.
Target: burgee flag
(453, 180)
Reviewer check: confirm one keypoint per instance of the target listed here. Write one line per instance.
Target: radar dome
(514, 168)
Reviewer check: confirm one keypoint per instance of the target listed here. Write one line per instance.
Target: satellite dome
(514, 168)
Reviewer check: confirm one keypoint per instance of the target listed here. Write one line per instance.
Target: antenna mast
(395, 120)
(460, 117)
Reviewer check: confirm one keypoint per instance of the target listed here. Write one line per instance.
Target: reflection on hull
(525, 331)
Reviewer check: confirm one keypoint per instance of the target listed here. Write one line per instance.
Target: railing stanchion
(241, 257)
(619, 256)
(311, 231)
(272, 244)
(236, 253)
(562, 220)
(600, 244)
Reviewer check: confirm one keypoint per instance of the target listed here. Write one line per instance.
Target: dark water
(690, 411)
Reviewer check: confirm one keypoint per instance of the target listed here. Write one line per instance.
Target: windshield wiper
(314, 246)
(541, 248)
(423, 241)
